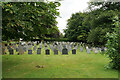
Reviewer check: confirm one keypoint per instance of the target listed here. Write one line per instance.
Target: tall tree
(75, 27)
(28, 20)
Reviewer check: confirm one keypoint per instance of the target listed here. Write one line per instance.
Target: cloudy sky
(67, 8)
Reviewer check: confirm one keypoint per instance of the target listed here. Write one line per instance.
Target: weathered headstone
(40, 45)
(11, 52)
(88, 51)
(17, 49)
(47, 51)
(96, 51)
(39, 51)
(74, 51)
(8, 47)
(55, 52)
(21, 51)
(24, 48)
(29, 51)
(81, 48)
(35, 47)
(65, 51)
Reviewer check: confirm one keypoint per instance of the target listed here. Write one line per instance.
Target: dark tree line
(92, 25)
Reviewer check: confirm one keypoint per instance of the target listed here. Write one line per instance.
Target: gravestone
(39, 51)
(8, 47)
(32, 44)
(24, 48)
(11, 52)
(96, 51)
(102, 49)
(55, 52)
(21, 51)
(74, 51)
(29, 51)
(35, 47)
(81, 48)
(40, 45)
(65, 51)
(17, 49)
(88, 51)
(47, 51)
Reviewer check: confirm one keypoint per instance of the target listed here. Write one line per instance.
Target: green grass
(81, 65)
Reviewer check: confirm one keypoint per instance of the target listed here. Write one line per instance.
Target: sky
(67, 8)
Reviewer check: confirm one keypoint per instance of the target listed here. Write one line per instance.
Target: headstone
(102, 49)
(40, 45)
(96, 51)
(35, 47)
(65, 51)
(21, 51)
(81, 48)
(8, 47)
(55, 52)
(29, 51)
(74, 51)
(17, 49)
(24, 48)
(39, 51)
(88, 51)
(47, 51)
(11, 52)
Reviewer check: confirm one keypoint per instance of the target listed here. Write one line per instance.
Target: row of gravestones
(63, 50)
(47, 51)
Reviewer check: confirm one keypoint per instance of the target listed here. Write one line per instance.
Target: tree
(101, 21)
(29, 20)
(75, 27)
(113, 46)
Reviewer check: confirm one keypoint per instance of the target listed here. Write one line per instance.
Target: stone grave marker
(74, 51)
(17, 49)
(88, 51)
(29, 51)
(39, 51)
(47, 51)
(11, 52)
(55, 52)
(8, 47)
(24, 48)
(41, 45)
(81, 48)
(65, 51)
(35, 47)
(96, 51)
(21, 51)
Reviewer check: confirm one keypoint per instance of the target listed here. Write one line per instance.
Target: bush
(113, 50)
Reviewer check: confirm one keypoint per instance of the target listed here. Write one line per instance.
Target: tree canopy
(92, 25)
(29, 20)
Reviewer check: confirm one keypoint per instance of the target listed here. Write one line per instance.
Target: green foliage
(113, 51)
(29, 20)
(75, 27)
(97, 36)
(92, 26)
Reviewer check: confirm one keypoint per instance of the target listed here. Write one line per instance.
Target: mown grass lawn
(81, 65)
